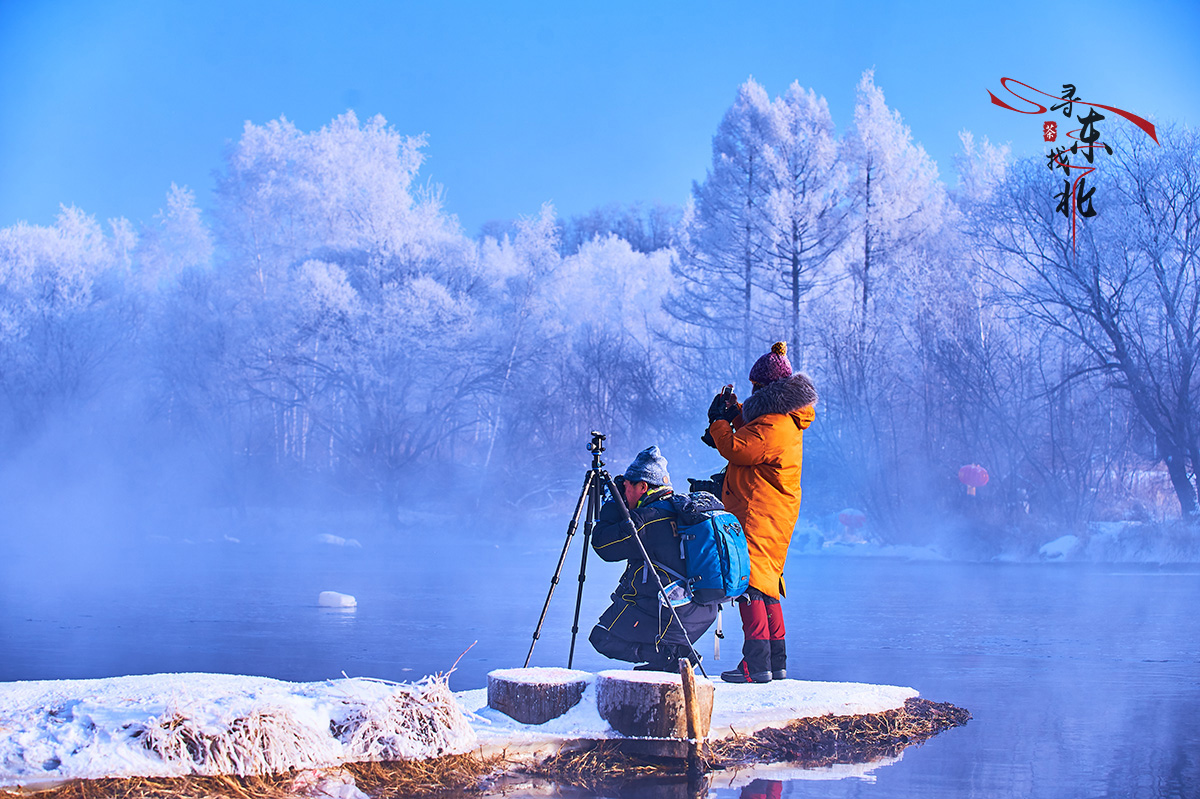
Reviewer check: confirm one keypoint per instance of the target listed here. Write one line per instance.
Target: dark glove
(730, 413)
(721, 407)
(708, 439)
(716, 408)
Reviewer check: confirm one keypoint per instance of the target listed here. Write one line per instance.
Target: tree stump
(535, 695)
(649, 704)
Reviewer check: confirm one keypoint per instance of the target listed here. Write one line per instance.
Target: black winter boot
(647, 652)
(755, 665)
(667, 658)
(778, 660)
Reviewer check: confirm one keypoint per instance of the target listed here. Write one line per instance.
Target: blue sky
(104, 104)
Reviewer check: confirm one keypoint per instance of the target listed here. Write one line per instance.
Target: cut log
(535, 695)
(649, 704)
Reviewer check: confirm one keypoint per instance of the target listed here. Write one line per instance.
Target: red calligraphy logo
(1147, 127)
(1050, 131)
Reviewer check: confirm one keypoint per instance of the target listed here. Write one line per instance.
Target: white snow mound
(332, 599)
(210, 724)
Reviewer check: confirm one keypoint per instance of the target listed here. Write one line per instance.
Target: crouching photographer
(637, 626)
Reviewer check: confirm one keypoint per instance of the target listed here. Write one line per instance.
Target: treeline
(331, 325)
(334, 325)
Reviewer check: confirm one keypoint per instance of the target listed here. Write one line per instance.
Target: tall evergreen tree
(725, 251)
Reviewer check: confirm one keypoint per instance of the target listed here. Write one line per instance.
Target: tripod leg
(595, 496)
(589, 481)
(628, 522)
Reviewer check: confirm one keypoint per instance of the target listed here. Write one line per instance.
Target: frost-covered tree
(521, 326)
(645, 230)
(617, 375)
(177, 240)
(350, 289)
(804, 213)
(65, 314)
(896, 198)
(572, 347)
(877, 329)
(725, 248)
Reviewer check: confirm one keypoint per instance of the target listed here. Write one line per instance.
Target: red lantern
(852, 519)
(973, 476)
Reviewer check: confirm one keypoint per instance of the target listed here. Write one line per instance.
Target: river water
(1083, 680)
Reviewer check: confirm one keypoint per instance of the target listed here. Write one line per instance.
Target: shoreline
(173, 735)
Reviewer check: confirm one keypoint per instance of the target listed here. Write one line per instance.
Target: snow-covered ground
(179, 724)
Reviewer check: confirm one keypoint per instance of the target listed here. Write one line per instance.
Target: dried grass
(273, 787)
(823, 741)
(417, 720)
(601, 764)
(809, 743)
(466, 773)
(268, 741)
(457, 773)
(414, 720)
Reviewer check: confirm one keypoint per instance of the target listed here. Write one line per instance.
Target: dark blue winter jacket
(636, 613)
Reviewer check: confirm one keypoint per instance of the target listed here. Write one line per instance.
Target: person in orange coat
(763, 441)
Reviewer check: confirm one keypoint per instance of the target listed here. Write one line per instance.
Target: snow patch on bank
(180, 724)
(1059, 548)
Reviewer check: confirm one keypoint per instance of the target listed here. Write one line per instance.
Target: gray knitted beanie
(649, 467)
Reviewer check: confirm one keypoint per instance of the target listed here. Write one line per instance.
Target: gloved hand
(730, 412)
(716, 408)
(721, 405)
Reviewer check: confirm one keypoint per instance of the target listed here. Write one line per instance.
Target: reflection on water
(762, 789)
(1083, 681)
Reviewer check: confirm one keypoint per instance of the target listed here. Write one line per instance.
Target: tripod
(591, 497)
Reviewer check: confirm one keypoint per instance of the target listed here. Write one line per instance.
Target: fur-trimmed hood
(782, 396)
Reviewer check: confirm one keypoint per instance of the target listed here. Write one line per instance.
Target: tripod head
(596, 446)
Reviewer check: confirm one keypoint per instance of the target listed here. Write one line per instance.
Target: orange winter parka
(762, 483)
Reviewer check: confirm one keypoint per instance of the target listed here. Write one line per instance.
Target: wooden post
(691, 708)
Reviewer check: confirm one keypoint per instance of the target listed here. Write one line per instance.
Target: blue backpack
(713, 547)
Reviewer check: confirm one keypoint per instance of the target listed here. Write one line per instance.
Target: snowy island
(195, 725)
